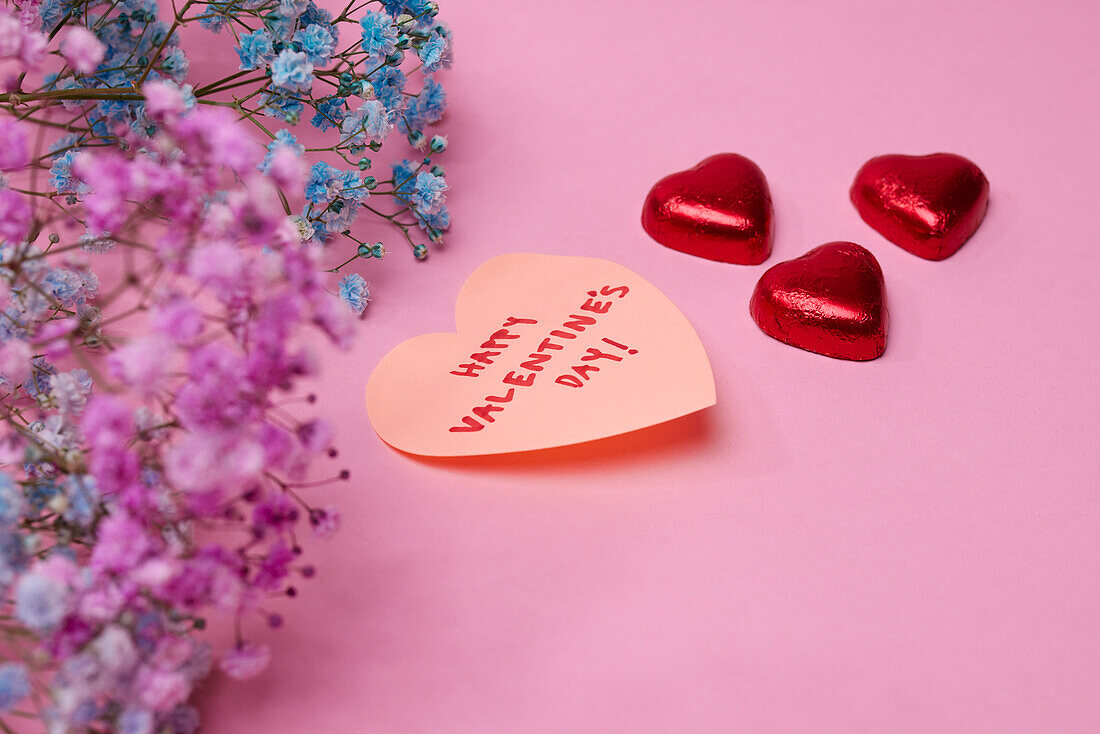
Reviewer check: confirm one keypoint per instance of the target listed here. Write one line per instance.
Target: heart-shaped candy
(832, 301)
(550, 351)
(721, 210)
(929, 205)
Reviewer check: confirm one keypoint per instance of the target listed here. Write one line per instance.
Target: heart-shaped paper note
(550, 351)
(721, 210)
(832, 301)
(929, 205)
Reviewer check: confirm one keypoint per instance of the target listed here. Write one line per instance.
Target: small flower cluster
(292, 66)
(362, 93)
(154, 465)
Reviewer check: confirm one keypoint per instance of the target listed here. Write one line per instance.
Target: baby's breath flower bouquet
(166, 250)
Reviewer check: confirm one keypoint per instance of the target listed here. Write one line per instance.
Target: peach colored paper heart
(550, 351)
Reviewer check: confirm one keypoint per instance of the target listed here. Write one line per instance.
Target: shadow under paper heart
(679, 436)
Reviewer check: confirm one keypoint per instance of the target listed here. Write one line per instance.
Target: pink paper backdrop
(908, 545)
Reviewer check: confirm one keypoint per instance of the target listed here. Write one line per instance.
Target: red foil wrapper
(929, 205)
(832, 301)
(721, 210)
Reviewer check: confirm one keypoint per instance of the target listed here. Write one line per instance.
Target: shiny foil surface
(721, 210)
(929, 205)
(832, 301)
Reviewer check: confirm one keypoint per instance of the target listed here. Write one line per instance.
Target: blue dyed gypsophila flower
(328, 183)
(40, 601)
(280, 26)
(65, 143)
(61, 175)
(282, 107)
(330, 113)
(11, 500)
(136, 721)
(379, 33)
(435, 223)
(69, 82)
(316, 15)
(15, 685)
(13, 557)
(433, 53)
(39, 381)
(292, 8)
(283, 139)
(257, 49)
(425, 108)
(215, 16)
(354, 292)
(148, 7)
(317, 42)
(415, 8)
(428, 192)
(432, 100)
(291, 70)
(70, 287)
(70, 390)
(370, 123)
(175, 63)
(51, 13)
(388, 84)
(83, 498)
(334, 196)
(320, 186)
(116, 111)
(41, 493)
(404, 175)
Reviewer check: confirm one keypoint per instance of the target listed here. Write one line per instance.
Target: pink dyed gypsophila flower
(82, 49)
(154, 460)
(15, 151)
(164, 101)
(142, 363)
(325, 521)
(15, 216)
(186, 435)
(19, 43)
(245, 661)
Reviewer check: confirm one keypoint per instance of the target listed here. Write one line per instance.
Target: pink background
(907, 545)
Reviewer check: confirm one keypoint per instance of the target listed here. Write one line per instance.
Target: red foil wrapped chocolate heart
(832, 301)
(721, 210)
(929, 205)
